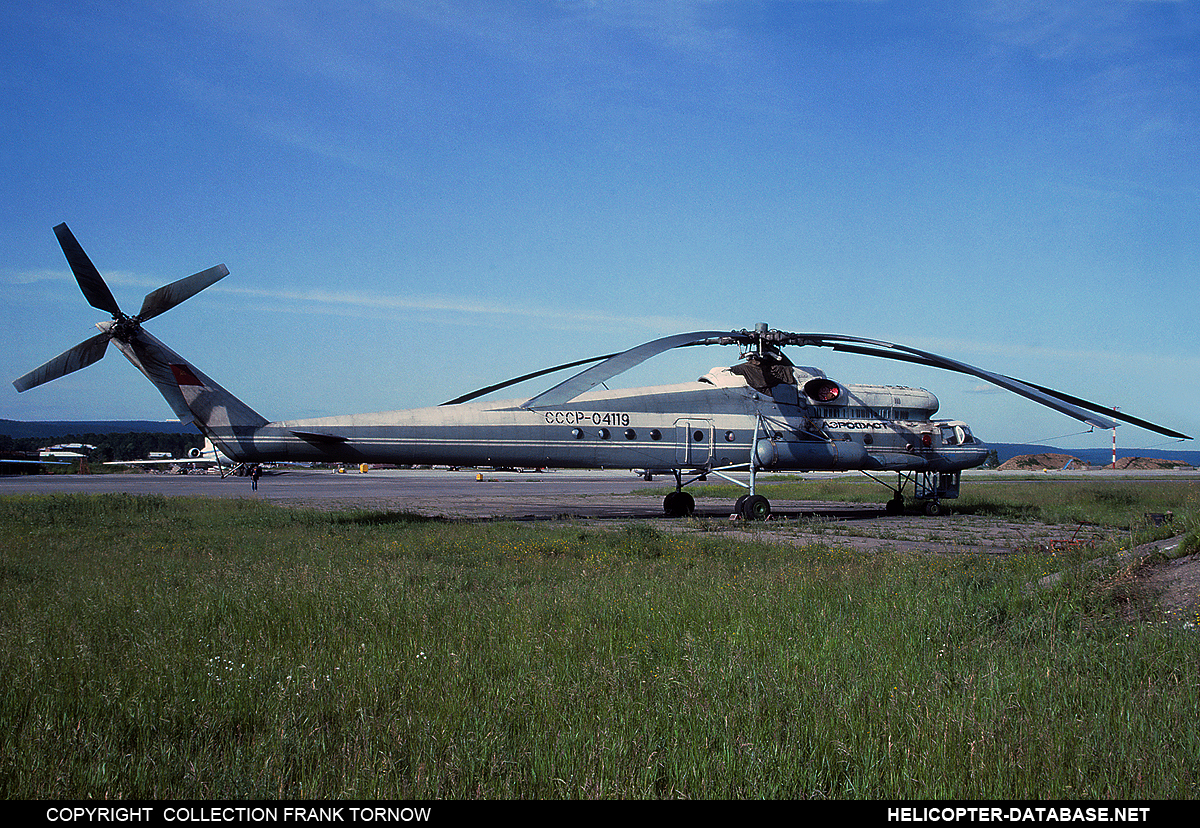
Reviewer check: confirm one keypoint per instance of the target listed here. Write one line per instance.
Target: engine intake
(823, 390)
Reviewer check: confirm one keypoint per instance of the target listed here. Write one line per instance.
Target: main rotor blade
(1129, 418)
(1064, 403)
(480, 392)
(569, 389)
(89, 279)
(81, 356)
(1008, 383)
(168, 296)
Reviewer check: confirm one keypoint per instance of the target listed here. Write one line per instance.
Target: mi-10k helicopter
(762, 414)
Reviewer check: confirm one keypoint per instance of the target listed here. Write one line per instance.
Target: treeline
(132, 445)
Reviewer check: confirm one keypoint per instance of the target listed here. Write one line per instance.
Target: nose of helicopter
(973, 454)
(980, 454)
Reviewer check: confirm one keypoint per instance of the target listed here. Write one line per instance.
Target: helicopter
(763, 414)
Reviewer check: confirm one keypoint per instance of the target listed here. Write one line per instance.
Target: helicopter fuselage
(719, 421)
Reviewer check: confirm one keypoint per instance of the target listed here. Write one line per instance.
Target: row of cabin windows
(852, 412)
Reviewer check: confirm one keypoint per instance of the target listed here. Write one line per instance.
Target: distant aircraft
(763, 414)
(209, 455)
(11, 459)
(73, 451)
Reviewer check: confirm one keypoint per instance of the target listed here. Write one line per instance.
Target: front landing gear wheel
(895, 506)
(755, 507)
(933, 508)
(678, 504)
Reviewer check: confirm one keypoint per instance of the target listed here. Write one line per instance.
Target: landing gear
(931, 488)
(753, 507)
(679, 504)
(749, 506)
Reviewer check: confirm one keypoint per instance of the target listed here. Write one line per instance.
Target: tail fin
(192, 395)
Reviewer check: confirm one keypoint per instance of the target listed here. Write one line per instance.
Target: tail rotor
(123, 328)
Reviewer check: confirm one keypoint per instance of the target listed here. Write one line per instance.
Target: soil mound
(1151, 463)
(1041, 462)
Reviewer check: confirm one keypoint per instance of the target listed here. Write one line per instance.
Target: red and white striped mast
(1114, 465)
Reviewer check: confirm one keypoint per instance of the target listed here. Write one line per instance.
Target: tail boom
(193, 396)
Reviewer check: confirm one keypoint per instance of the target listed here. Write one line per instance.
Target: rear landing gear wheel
(755, 507)
(933, 508)
(678, 504)
(895, 506)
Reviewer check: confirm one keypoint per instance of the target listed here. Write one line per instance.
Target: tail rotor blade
(168, 296)
(90, 282)
(81, 356)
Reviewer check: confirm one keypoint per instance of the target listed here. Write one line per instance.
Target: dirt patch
(1173, 584)
(869, 529)
(1178, 584)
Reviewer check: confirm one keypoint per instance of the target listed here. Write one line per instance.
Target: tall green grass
(158, 648)
(1119, 502)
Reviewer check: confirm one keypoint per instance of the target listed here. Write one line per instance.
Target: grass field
(1116, 502)
(172, 648)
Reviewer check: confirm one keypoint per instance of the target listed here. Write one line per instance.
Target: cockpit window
(956, 435)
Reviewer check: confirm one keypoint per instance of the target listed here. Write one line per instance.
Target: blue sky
(416, 199)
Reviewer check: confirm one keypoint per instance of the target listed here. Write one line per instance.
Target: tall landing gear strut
(929, 489)
(750, 506)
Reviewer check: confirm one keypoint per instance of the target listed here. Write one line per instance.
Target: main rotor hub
(761, 343)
